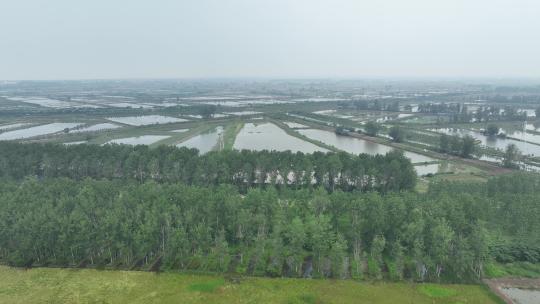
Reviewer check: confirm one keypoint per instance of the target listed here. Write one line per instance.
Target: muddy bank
(504, 287)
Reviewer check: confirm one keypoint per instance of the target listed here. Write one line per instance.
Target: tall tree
(372, 128)
(492, 130)
(511, 156)
(469, 146)
(397, 133)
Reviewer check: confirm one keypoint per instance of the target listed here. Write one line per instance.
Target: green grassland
(459, 173)
(49, 285)
(231, 130)
(516, 269)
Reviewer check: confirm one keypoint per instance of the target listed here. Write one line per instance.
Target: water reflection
(204, 142)
(492, 141)
(522, 296)
(37, 131)
(267, 136)
(356, 145)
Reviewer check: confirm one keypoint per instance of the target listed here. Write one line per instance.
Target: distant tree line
(371, 105)
(244, 169)
(458, 113)
(532, 97)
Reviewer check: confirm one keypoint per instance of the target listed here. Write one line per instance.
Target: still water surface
(37, 131)
(268, 136)
(356, 145)
(204, 142)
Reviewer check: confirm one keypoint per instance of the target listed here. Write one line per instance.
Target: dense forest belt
(244, 169)
(449, 233)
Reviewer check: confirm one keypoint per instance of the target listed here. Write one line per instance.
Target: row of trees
(372, 105)
(439, 108)
(454, 144)
(466, 147)
(459, 113)
(531, 97)
(440, 235)
(245, 169)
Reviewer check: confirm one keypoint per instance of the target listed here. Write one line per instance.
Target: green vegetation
(229, 135)
(49, 285)
(206, 111)
(511, 156)
(178, 137)
(284, 215)
(207, 286)
(245, 169)
(461, 146)
(492, 130)
(516, 269)
(446, 234)
(397, 134)
(436, 291)
(372, 128)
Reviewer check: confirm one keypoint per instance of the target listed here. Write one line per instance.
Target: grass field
(49, 285)
(460, 173)
(517, 269)
(229, 135)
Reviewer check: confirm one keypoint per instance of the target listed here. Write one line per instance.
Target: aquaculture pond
(51, 103)
(532, 126)
(356, 145)
(268, 136)
(295, 125)
(13, 126)
(37, 130)
(523, 135)
(492, 141)
(146, 120)
(138, 140)
(98, 127)
(204, 142)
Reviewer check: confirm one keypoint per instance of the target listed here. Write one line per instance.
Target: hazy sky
(70, 39)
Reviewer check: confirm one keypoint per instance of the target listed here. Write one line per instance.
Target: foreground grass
(517, 269)
(49, 285)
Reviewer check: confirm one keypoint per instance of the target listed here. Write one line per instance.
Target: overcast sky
(72, 39)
